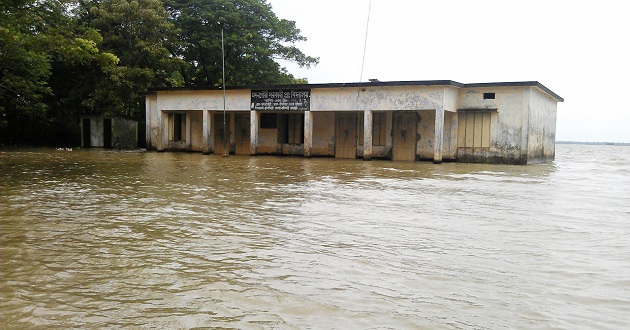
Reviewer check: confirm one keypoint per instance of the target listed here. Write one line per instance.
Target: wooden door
(404, 136)
(219, 134)
(346, 135)
(241, 137)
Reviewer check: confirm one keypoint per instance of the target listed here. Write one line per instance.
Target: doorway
(404, 136)
(241, 137)
(346, 135)
(107, 132)
(87, 133)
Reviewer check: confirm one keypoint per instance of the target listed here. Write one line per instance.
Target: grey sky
(578, 49)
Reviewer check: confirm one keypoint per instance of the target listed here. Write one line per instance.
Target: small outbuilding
(108, 132)
(443, 120)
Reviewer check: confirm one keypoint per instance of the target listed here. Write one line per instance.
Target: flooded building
(510, 122)
(108, 132)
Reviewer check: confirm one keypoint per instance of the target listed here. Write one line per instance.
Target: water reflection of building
(513, 122)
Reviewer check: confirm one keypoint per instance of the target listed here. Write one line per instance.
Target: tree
(33, 35)
(137, 31)
(62, 58)
(253, 36)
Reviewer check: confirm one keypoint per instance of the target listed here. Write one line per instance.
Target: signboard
(281, 100)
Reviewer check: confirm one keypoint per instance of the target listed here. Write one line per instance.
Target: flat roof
(373, 84)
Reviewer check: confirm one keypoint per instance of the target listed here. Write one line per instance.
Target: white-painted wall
(522, 120)
(152, 126)
(396, 98)
(542, 127)
(507, 123)
(235, 100)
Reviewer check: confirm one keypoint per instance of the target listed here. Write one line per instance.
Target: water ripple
(102, 239)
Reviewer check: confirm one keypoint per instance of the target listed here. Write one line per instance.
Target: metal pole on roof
(225, 135)
(367, 27)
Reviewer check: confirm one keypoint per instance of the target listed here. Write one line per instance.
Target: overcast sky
(578, 49)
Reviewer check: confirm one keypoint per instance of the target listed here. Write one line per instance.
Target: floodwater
(109, 239)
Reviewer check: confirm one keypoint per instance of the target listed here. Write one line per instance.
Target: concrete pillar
(232, 144)
(368, 123)
(389, 126)
(148, 111)
(308, 134)
(206, 137)
(253, 133)
(162, 136)
(188, 132)
(438, 138)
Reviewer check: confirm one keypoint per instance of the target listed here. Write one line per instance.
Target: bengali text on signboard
(281, 100)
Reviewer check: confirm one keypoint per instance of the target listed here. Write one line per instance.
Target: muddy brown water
(109, 239)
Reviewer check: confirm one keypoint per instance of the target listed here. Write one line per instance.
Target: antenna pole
(225, 135)
(367, 26)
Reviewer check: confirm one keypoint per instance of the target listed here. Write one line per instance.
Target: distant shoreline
(595, 143)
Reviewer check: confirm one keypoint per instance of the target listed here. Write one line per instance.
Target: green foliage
(137, 31)
(253, 38)
(62, 58)
(23, 66)
(33, 35)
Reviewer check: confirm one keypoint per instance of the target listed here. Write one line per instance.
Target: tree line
(63, 58)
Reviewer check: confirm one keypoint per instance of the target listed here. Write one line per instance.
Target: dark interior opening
(107, 132)
(87, 133)
(268, 120)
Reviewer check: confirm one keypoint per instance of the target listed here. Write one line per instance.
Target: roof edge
(375, 83)
(518, 84)
(323, 85)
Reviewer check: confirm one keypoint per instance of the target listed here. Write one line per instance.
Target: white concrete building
(108, 131)
(510, 122)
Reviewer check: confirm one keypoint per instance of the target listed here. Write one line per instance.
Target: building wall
(425, 133)
(507, 142)
(152, 129)
(421, 99)
(96, 132)
(449, 148)
(541, 127)
(451, 104)
(196, 133)
(323, 134)
(204, 100)
(268, 141)
(522, 120)
(396, 98)
(385, 151)
(124, 133)
(451, 99)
